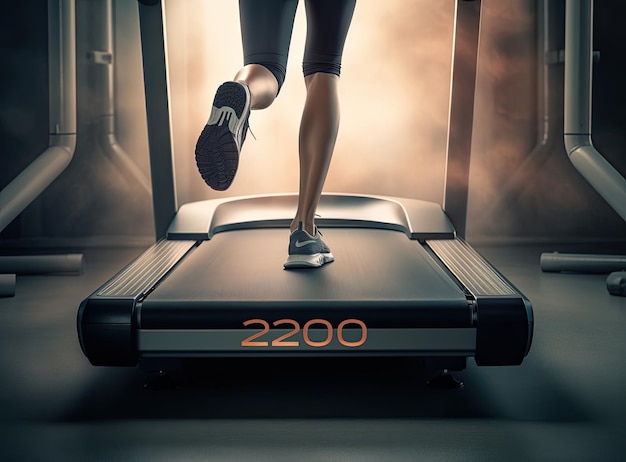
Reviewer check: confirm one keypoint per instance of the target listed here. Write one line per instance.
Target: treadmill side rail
(106, 319)
(142, 275)
(472, 270)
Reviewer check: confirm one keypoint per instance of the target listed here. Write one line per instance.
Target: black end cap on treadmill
(106, 331)
(503, 331)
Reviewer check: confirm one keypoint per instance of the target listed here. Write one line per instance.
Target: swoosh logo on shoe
(303, 243)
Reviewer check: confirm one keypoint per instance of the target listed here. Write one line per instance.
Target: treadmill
(404, 282)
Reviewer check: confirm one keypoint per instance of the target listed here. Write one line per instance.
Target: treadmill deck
(376, 274)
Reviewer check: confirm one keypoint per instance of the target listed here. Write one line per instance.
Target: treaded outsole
(217, 153)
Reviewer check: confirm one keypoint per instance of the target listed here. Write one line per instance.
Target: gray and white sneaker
(306, 251)
(221, 140)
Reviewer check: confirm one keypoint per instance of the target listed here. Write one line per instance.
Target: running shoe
(306, 251)
(221, 140)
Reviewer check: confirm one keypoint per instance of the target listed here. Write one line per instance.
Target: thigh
(266, 27)
(328, 22)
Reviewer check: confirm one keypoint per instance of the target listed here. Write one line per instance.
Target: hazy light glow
(394, 99)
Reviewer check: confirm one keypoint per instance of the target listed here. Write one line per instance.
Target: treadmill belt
(378, 276)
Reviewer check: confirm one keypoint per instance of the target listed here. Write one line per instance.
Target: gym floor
(566, 402)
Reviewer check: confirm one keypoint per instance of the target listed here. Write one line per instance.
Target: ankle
(309, 227)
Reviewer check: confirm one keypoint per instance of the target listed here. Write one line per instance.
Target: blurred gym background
(392, 141)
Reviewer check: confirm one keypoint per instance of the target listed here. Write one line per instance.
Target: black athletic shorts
(266, 27)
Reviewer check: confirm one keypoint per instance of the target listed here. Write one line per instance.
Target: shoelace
(250, 130)
(316, 228)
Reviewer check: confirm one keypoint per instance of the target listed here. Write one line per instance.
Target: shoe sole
(308, 261)
(217, 153)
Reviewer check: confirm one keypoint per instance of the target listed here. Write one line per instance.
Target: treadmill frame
(499, 322)
(495, 326)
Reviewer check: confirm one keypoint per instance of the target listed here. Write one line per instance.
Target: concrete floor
(566, 402)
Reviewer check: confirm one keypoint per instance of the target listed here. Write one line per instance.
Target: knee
(311, 67)
(322, 81)
(278, 71)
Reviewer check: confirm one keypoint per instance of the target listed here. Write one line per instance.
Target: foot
(307, 251)
(221, 140)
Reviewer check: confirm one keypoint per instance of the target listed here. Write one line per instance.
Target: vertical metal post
(103, 57)
(462, 89)
(578, 67)
(156, 84)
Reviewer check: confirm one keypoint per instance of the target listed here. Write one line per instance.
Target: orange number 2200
(282, 341)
